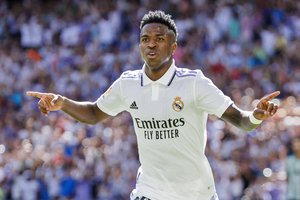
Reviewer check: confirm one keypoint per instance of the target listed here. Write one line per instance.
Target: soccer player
(169, 107)
(293, 171)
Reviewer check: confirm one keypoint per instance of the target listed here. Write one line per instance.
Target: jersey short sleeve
(210, 98)
(111, 101)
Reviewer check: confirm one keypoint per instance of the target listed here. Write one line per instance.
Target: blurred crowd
(78, 48)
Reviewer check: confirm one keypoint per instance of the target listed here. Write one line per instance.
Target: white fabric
(184, 190)
(253, 120)
(171, 137)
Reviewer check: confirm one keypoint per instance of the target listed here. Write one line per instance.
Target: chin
(156, 64)
(153, 65)
(156, 67)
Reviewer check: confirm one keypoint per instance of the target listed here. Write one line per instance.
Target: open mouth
(151, 55)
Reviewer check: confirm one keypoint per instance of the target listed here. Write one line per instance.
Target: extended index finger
(270, 96)
(35, 94)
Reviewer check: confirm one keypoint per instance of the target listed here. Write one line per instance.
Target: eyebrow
(157, 35)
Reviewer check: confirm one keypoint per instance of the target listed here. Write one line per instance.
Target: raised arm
(248, 120)
(86, 112)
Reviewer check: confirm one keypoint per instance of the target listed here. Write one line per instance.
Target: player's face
(157, 45)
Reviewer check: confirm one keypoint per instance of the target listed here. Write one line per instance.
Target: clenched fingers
(272, 109)
(42, 107)
(269, 110)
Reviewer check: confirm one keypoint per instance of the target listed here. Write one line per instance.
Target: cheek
(169, 50)
(142, 49)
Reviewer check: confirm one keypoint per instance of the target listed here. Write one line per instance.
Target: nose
(152, 44)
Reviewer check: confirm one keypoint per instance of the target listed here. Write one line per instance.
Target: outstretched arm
(86, 112)
(248, 120)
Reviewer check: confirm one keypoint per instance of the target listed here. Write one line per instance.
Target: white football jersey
(169, 117)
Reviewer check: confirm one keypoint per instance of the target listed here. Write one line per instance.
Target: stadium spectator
(293, 170)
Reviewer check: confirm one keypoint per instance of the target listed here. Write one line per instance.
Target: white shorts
(144, 191)
(135, 195)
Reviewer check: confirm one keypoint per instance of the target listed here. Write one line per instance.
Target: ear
(174, 47)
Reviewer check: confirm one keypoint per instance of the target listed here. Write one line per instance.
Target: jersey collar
(166, 79)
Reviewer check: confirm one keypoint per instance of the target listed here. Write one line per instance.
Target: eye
(144, 39)
(160, 39)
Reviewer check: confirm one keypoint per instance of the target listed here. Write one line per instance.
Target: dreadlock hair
(161, 17)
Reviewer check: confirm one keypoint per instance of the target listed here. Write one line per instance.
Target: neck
(156, 73)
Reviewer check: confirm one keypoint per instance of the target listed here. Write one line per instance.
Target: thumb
(259, 114)
(54, 100)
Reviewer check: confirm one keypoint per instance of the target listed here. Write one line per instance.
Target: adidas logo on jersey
(133, 105)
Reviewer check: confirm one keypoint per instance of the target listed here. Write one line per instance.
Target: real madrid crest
(177, 104)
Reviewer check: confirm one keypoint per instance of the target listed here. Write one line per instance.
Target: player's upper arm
(111, 102)
(209, 97)
(98, 113)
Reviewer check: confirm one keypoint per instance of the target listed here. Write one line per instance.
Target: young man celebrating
(169, 107)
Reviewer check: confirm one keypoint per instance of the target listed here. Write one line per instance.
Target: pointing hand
(48, 101)
(265, 108)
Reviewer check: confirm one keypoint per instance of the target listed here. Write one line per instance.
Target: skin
(240, 118)
(296, 147)
(160, 41)
(157, 46)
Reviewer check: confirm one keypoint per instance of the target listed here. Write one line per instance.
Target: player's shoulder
(131, 75)
(185, 72)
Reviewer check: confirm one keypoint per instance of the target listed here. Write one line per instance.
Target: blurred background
(78, 48)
